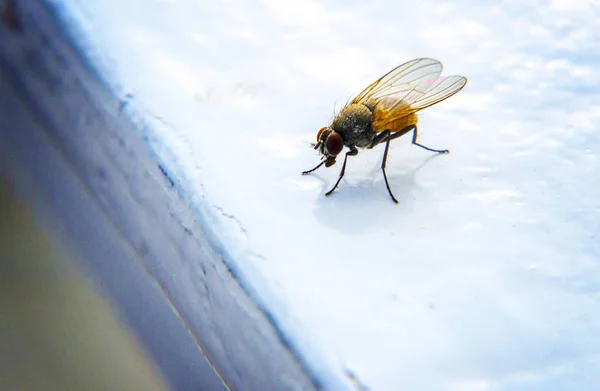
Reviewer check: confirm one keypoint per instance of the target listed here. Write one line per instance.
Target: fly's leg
(381, 137)
(414, 141)
(387, 136)
(351, 152)
(384, 161)
(309, 171)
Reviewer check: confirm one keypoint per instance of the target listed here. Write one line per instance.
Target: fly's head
(330, 144)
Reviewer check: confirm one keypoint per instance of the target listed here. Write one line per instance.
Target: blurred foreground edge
(106, 278)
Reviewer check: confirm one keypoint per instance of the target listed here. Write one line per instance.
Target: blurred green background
(56, 332)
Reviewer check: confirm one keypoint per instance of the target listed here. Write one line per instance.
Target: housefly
(384, 111)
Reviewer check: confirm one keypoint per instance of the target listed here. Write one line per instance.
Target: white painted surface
(486, 276)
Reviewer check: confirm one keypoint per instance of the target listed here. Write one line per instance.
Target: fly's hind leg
(351, 152)
(383, 136)
(414, 141)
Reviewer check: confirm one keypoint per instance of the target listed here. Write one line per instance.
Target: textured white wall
(486, 276)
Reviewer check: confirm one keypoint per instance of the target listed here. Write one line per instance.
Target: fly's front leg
(311, 170)
(352, 152)
(414, 141)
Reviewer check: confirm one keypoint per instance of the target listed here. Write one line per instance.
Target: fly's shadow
(354, 209)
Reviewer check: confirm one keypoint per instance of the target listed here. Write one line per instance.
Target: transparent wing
(401, 79)
(424, 94)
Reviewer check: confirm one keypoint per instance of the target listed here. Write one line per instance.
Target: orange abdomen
(395, 125)
(394, 118)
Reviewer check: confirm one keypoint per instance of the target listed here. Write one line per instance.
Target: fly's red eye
(335, 144)
(320, 133)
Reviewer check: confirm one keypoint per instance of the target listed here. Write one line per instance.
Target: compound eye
(334, 144)
(324, 128)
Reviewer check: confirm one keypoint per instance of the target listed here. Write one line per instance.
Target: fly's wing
(402, 78)
(421, 95)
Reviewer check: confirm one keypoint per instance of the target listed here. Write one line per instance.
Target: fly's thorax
(353, 123)
(352, 116)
